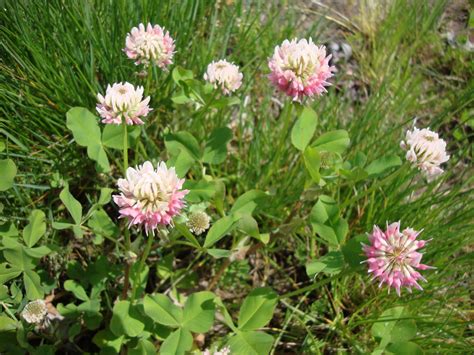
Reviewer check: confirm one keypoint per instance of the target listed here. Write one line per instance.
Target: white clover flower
(35, 312)
(223, 351)
(300, 68)
(150, 45)
(123, 102)
(224, 75)
(150, 196)
(425, 150)
(198, 222)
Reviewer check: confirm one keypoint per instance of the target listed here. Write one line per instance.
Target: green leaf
(125, 320)
(248, 201)
(391, 328)
(112, 135)
(7, 324)
(85, 129)
(341, 227)
(32, 283)
(353, 253)
(143, 347)
(303, 129)
(218, 230)
(62, 225)
(35, 229)
(38, 252)
(8, 273)
(180, 74)
(7, 174)
(180, 98)
(18, 257)
(182, 162)
(250, 343)
(257, 308)
(177, 342)
(101, 223)
(219, 253)
(225, 102)
(181, 228)
(8, 229)
(312, 162)
(334, 141)
(76, 289)
(384, 163)
(404, 348)
(176, 142)
(199, 312)
(216, 146)
(324, 210)
(326, 232)
(331, 263)
(159, 308)
(108, 341)
(199, 191)
(140, 279)
(105, 195)
(72, 205)
(248, 225)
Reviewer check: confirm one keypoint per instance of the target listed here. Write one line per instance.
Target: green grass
(59, 54)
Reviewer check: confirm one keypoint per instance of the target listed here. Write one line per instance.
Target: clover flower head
(198, 222)
(223, 351)
(123, 103)
(150, 45)
(150, 197)
(300, 69)
(224, 75)
(425, 150)
(35, 312)
(393, 257)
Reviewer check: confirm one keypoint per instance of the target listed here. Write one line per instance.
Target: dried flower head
(300, 68)
(393, 257)
(122, 102)
(150, 197)
(224, 75)
(35, 312)
(425, 150)
(152, 45)
(198, 222)
(223, 351)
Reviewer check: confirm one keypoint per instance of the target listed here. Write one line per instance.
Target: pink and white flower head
(224, 75)
(393, 257)
(300, 68)
(150, 197)
(425, 150)
(152, 45)
(122, 102)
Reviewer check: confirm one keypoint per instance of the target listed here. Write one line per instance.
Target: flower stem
(148, 80)
(125, 147)
(137, 273)
(286, 115)
(126, 232)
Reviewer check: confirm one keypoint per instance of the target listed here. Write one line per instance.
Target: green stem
(286, 117)
(136, 279)
(315, 285)
(125, 147)
(128, 243)
(148, 80)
